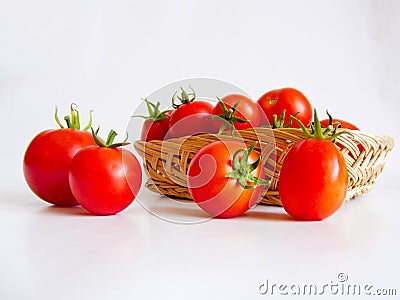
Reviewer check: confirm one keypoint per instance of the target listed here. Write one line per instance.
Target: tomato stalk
(281, 122)
(318, 132)
(73, 121)
(242, 169)
(227, 117)
(110, 139)
(155, 114)
(184, 98)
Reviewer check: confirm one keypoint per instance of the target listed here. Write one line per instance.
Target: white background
(106, 55)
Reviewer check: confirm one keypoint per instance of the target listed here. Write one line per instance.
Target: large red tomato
(48, 157)
(234, 108)
(289, 99)
(226, 179)
(105, 179)
(313, 179)
(190, 117)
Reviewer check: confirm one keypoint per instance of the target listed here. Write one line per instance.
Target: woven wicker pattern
(166, 162)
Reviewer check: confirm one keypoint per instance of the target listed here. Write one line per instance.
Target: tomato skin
(221, 196)
(292, 100)
(47, 161)
(155, 130)
(313, 180)
(246, 110)
(344, 124)
(191, 118)
(105, 181)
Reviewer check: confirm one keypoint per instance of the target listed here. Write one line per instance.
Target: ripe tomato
(48, 157)
(289, 99)
(245, 109)
(156, 124)
(343, 124)
(313, 179)
(226, 179)
(190, 117)
(105, 179)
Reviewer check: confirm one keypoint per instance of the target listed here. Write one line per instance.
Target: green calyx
(155, 114)
(73, 121)
(316, 131)
(242, 169)
(110, 139)
(184, 98)
(281, 122)
(227, 117)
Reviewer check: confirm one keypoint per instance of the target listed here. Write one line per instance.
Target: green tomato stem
(315, 131)
(110, 139)
(242, 169)
(184, 98)
(73, 121)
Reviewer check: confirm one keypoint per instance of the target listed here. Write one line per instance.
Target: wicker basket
(166, 162)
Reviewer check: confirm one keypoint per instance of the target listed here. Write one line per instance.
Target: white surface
(106, 55)
(64, 253)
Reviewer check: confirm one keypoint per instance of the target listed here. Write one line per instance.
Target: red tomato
(105, 180)
(313, 179)
(190, 117)
(289, 99)
(156, 130)
(47, 161)
(213, 190)
(343, 124)
(245, 110)
(156, 123)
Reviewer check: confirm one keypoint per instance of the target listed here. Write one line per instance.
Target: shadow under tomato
(164, 211)
(267, 215)
(66, 210)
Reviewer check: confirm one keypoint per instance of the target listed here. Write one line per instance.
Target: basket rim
(389, 140)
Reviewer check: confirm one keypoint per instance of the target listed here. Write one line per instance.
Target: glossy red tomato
(313, 179)
(289, 99)
(190, 116)
(218, 175)
(190, 119)
(246, 109)
(47, 161)
(157, 129)
(343, 124)
(105, 180)
(156, 123)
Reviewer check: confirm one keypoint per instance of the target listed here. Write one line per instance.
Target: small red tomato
(105, 179)
(226, 179)
(343, 124)
(190, 117)
(156, 124)
(293, 101)
(237, 110)
(313, 179)
(48, 157)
